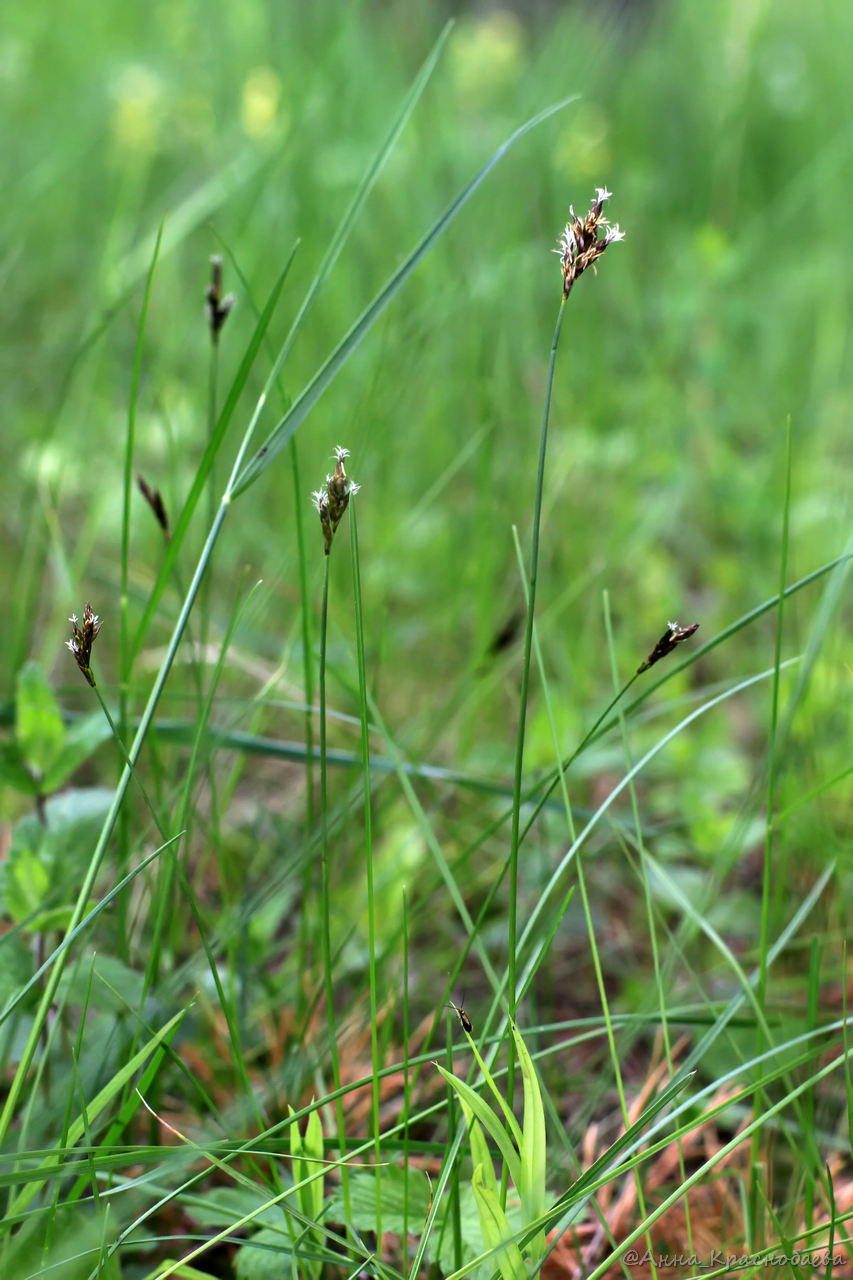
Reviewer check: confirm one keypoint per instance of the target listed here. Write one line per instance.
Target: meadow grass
(314, 798)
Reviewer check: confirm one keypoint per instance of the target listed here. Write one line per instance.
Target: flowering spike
(82, 640)
(674, 635)
(154, 498)
(332, 500)
(581, 243)
(218, 307)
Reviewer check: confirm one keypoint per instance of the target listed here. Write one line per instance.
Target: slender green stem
(325, 892)
(647, 897)
(125, 653)
(276, 363)
(368, 854)
(767, 873)
(308, 686)
(212, 393)
(569, 760)
(515, 839)
(407, 1082)
(129, 763)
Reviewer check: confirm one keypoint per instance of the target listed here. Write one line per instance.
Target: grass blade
(309, 396)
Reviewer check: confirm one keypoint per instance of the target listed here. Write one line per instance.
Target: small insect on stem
(465, 1022)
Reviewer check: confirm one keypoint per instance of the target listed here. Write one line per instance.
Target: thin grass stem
(368, 855)
(125, 654)
(767, 869)
(325, 891)
(518, 772)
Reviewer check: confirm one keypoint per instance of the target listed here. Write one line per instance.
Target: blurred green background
(724, 132)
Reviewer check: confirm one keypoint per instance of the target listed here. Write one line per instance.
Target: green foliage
(74, 1246)
(497, 1233)
(308, 1171)
(401, 1190)
(38, 725)
(46, 859)
(43, 753)
(525, 1162)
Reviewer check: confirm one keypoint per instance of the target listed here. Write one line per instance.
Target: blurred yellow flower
(137, 94)
(486, 53)
(582, 151)
(260, 102)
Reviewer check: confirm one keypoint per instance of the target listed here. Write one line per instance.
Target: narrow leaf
(309, 396)
(489, 1121)
(313, 1146)
(532, 1185)
(497, 1233)
(480, 1153)
(208, 457)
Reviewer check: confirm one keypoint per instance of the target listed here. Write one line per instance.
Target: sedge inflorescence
(82, 640)
(673, 636)
(584, 240)
(332, 500)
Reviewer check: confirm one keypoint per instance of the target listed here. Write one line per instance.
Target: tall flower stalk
(330, 501)
(581, 244)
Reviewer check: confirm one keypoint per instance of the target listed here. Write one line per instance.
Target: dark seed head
(673, 636)
(82, 640)
(218, 307)
(155, 501)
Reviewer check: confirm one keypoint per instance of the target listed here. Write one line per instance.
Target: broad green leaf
(94, 1108)
(117, 987)
(74, 1248)
(27, 886)
(62, 845)
(489, 1121)
(82, 740)
(74, 820)
(266, 1256)
(95, 910)
(16, 967)
(395, 1183)
(38, 724)
(53, 919)
(220, 1206)
(497, 1233)
(14, 772)
(532, 1185)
